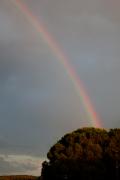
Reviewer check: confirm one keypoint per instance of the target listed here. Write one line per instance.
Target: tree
(87, 153)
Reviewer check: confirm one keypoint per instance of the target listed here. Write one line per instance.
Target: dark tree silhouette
(86, 154)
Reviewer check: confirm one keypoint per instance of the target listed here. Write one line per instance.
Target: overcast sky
(38, 101)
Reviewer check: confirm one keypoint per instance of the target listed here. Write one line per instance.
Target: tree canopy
(87, 153)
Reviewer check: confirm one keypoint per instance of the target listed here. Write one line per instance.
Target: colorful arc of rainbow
(47, 37)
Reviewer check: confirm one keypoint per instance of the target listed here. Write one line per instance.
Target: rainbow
(47, 37)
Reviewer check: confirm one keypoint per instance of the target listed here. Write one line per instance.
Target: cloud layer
(38, 101)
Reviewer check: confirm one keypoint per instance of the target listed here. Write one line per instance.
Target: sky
(38, 100)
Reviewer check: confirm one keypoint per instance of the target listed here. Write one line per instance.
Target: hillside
(18, 177)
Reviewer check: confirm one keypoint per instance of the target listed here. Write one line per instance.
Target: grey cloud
(38, 100)
(19, 164)
(10, 168)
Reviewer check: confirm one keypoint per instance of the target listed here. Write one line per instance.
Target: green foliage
(87, 153)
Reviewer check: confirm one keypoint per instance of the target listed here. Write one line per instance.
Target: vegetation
(19, 177)
(86, 154)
